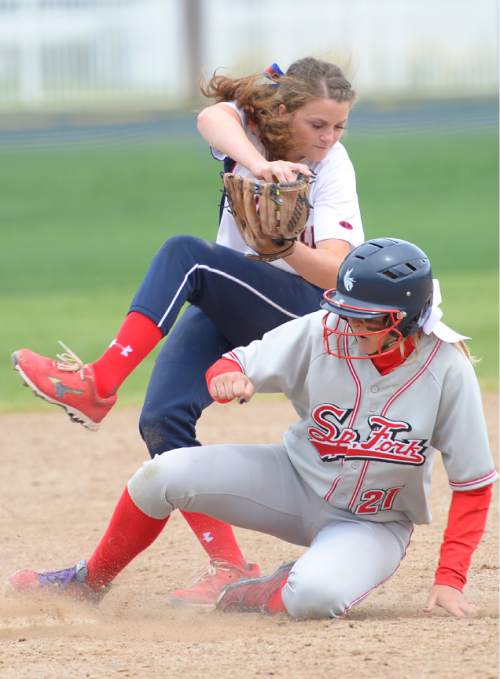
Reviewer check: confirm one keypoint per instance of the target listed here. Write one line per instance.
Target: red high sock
(275, 603)
(137, 336)
(129, 532)
(217, 538)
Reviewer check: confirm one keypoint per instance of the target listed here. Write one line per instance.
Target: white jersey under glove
(335, 208)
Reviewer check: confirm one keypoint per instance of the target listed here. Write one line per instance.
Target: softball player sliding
(379, 383)
(270, 125)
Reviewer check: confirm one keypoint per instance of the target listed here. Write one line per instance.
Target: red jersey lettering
(332, 442)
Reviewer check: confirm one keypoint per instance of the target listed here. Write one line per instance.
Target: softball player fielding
(269, 126)
(379, 384)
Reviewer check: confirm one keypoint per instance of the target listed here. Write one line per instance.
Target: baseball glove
(269, 216)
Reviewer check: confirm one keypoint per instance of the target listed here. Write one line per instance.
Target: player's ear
(281, 110)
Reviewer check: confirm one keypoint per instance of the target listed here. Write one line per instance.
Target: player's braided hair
(260, 96)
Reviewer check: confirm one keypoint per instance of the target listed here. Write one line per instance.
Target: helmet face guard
(381, 278)
(333, 346)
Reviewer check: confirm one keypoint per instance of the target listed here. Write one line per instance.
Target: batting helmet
(384, 277)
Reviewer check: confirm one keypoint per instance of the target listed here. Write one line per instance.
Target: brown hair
(260, 96)
(464, 349)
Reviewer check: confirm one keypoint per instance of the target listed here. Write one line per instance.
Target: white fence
(68, 52)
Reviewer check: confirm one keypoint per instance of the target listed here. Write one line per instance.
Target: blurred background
(100, 160)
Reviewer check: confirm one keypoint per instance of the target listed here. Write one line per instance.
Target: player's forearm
(318, 266)
(224, 132)
(466, 523)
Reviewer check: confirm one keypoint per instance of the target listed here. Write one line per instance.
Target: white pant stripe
(232, 278)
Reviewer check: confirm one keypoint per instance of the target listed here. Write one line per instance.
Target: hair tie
(274, 69)
(432, 321)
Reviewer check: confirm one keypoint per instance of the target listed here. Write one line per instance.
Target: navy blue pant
(233, 300)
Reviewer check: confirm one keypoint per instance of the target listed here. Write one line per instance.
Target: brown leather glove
(269, 216)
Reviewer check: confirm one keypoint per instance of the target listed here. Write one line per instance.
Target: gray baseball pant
(257, 487)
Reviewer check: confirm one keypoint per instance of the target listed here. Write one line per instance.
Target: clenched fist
(228, 386)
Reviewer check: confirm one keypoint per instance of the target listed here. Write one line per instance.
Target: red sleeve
(223, 365)
(466, 522)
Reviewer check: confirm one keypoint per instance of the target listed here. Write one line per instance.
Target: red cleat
(252, 595)
(65, 381)
(206, 589)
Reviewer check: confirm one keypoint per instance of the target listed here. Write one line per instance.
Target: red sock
(129, 532)
(275, 603)
(216, 537)
(137, 336)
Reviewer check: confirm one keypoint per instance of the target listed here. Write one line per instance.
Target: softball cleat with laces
(206, 589)
(65, 381)
(69, 582)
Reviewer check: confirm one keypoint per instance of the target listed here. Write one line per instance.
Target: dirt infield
(59, 484)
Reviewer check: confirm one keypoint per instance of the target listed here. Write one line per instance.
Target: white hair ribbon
(433, 321)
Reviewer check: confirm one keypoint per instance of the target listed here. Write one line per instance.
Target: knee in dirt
(305, 598)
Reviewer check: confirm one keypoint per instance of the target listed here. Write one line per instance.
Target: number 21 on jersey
(376, 500)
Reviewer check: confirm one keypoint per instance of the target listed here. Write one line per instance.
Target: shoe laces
(213, 568)
(63, 577)
(76, 575)
(60, 578)
(68, 361)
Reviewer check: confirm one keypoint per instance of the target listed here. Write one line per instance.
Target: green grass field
(80, 225)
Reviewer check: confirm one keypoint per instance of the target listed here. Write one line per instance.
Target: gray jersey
(365, 442)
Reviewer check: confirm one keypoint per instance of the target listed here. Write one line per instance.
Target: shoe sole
(278, 573)
(182, 604)
(74, 414)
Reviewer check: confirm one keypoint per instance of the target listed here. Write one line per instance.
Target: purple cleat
(70, 582)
